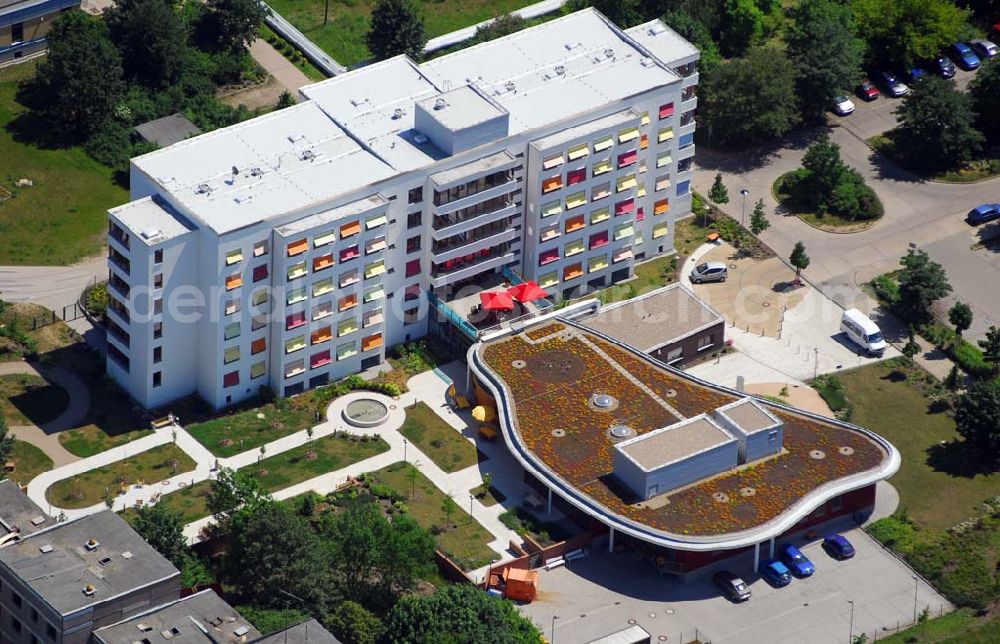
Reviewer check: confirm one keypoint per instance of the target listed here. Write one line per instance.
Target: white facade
(292, 249)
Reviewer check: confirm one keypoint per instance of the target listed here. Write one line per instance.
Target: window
(258, 346)
(413, 244)
(416, 195)
(323, 261)
(324, 238)
(372, 318)
(622, 255)
(624, 207)
(552, 162)
(258, 297)
(345, 351)
(157, 330)
(234, 257)
(661, 206)
(659, 230)
(551, 184)
(321, 335)
(50, 630)
(413, 220)
(323, 310)
(623, 231)
(412, 267)
(16, 623)
(231, 379)
(373, 341)
(772, 435)
(644, 142)
(348, 278)
(157, 355)
(260, 248)
(628, 134)
(294, 368)
(34, 614)
(705, 342)
(374, 293)
(158, 256)
(232, 354)
(662, 183)
(663, 159)
(628, 158)
(573, 248)
(320, 359)
(625, 183)
(295, 344)
(603, 143)
(296, 271)
(347, 327)
(14, 597)
(576, 200)
(665, 134)
(16, 32)
(600, 192)
(350, 229)
(411, 316)
(234, 281)
(599, 215)
(323, 287)
(602, 166)
(666, 110)
(232, 330)
(298, 247)
(548, 279)
(258, 322)
(683, 188)
(572, 272)
(685, 141)
(578, 152)
(258, 369)
(349, 253)
(157, 378)
(576, 176)
(158, 280)
(376, 221)
(294, 320)
(348, 302)
(645, 119)
(412, 292)
(595, 264)
(574, 224)
(598, 239)
(259, 273)
(374, 269)
(551, 208)
(684, 165)
(548, 257)
(295, 295)
(674, 355)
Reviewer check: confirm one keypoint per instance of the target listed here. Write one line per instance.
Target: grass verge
(488, 497)
(149, 467)
(29, 462)
(314, 458)
(443, 444)
(250, 428)
(30, 400)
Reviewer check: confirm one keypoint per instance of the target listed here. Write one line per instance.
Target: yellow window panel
(551, 208)
(660, 230)
(576, 200)
(602, 166)
(578, 152)
(573, 248)
(621, 232)
(376, 221)
(597, 263)
(625, 183)
(665, 135)
(552, 162)
(603, 143)
(324, 238)
(233, 257)
(663, 159)
(547, 280)
(628, 134)
(296, 343)
(598, 216)
(296, 270)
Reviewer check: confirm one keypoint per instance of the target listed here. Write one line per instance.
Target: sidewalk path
(51, 286)
(282, 69)
(46, 437)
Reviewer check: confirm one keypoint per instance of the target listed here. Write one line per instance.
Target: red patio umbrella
(527, 292)
(496, 301)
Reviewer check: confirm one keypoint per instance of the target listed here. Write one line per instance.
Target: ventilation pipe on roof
(440, 104)
(92, 544)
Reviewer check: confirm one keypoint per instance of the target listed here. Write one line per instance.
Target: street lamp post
(743, 216)
(850, 636)
(816, 362)
(471, 499)
(916, 586)
(404, 450)
(552, 632)
(708, 209)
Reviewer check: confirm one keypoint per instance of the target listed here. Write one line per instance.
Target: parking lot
(605, 592)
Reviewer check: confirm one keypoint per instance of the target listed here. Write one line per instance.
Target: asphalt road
(928, 214)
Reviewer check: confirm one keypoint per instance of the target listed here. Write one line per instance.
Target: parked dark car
(984, 213)
(916, 74)
(944, 67)
(892, 85)
(868, 91)
(837, 546)
(964, 57)
(776, 574)
(797, 562)
(732, 586)
(984, 48)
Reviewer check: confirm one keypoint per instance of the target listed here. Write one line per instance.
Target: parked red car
(868, 91)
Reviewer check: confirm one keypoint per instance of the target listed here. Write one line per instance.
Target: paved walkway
(51, 286)
(288, 75)
(46, 436)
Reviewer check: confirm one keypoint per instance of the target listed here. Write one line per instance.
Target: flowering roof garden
(547, 378)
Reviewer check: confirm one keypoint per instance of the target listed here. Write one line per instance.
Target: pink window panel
(576, 176)
(319, 359)
(349, 253)
(295, 319)
(412, 267)
(260, 273)
(598, 239)
(640, 215)
(628, 158)
(624, 207)
(548, 257)
(666, 111)
(231, 379)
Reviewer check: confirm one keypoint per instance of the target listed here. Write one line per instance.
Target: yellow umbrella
(479, 413)
(451, 391)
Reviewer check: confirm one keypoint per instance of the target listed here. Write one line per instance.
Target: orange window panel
(234, 281)
(323, 262)
(571, 272)
(347, 302)
(661, 206)
(371, 342)
(552, 184)
(576, 223)
(258, 345)
(298, 247)
(321, 335)
(352, 228)
(644, 141)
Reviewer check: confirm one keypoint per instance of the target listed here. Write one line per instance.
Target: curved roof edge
(726, 541)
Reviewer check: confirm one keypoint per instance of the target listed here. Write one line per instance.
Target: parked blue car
(943, 67)
(776, 574)
(984, 213)
(916, 74)
(837, 546)
(797, 562)
(964, 57)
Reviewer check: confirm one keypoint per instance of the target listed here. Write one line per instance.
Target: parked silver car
(709, 272)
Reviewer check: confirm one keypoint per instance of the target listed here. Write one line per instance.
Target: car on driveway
(916, 74)
(732, 586)
(797, 562)
(709, 272)
(838, 547)
(964, 57)
(776, 574)
(868, 91)
(893, 86)
(944, 67)
(842, 106)
(984, 48)
(984, 213)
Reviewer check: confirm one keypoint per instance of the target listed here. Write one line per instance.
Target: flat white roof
(665, 43)
(286, 160)
(151, 221)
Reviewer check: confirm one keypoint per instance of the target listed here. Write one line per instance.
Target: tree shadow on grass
(32, 129)
(739, 161)
(959, 459)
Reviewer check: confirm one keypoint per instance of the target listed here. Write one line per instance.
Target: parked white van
(862, 331)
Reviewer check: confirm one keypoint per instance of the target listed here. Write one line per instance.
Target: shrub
(96, 299)
(111, 145)
(970, 359)
(895, 531)
(386, 493)
(886, 290)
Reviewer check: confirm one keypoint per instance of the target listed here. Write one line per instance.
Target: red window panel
(628, 158)
(667, 110)
(412, 292)
(624, 207)
(576, 176)
(640, 215)
(295, 320)
(598, 239)
(548, 257)
(319, 359)
(231, 379)
(349, 253)
(413, 267)
(260, 272)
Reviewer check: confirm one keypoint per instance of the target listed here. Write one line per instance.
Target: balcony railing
(471, 236)
(119, 260)
(455, 265)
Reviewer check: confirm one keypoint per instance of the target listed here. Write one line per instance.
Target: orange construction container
(520, 585)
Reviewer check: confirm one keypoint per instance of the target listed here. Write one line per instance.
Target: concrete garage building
(24, 25)
(688, 472)
(292, 249)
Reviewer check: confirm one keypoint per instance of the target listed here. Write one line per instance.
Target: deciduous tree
(960, 316)
(799, 260)
(902, 32)
(231, 492)
(152, 40)
(921, 282)
(6, 443)
(352, 623)
(758, 219)
(235, 22)
(163, 529)
(984, 90)
(936, 126)
(742, 26)
(991, 347)
(977, 418)
(396, 28)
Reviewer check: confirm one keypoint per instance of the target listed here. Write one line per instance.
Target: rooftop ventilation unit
(440, 104)
(241, 631)
(561, 70)
(358, 102)
(647, 62)
(657, 29)
(510, 86)
(46, 549)
(307, 155)
(609, 53)
(93, 544)
(89, 590)
(150, 233)
(143, 627)
(256, 172)
(39, 520)
(397, 114)
(419, 138)
(295, 138)
(570, 46)
(243, 198)
(104, 561)
(203, 189)
(127, 555)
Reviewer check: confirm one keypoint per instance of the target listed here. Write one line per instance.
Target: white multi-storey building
(291, 249)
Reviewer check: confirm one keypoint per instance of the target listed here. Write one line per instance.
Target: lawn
(464, 541)
(62, 217)
(934, 484)
(190, 502)
(343, 37)
(312, 459)
(488, 497)
(443, 444)
(149, 467)
(29, 462)
(249, 429)
(30, 400)
(958, 627)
